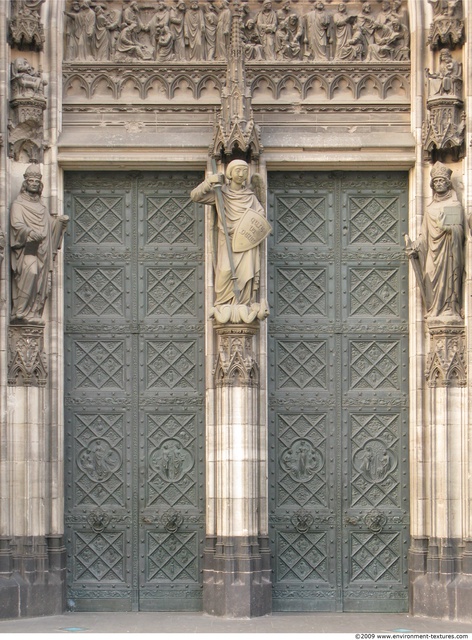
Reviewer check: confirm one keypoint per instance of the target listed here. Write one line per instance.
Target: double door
(338, 391)
(134, 391)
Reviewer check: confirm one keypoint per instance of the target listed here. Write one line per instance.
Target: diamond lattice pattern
(99, 364)
(170, 220)
(171, 364)
(301, 219)
(99, 558)
(172, 557)
(302, 557)
(374, 364)
(171, 291)
(301, 364)
(301, 291)
(376, 557)
(98, 219)
(374, 292)
(312, 427)
(365, 428)
(181, 427)
(99, 292)
(107, 427)
(374, 220)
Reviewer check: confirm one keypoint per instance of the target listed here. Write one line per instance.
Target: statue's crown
(440, 170)
(32, 171)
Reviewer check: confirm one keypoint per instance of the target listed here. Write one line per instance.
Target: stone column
(439, 585)
(237, 559)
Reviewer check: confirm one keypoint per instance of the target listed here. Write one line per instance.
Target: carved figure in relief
(79, 30)
(211, 21)
(366, 24)
(164, 44)
(385, 15)
(266, 26)
(176, 26)
(194, 32)
(223, 30)
(439, 248)
(161, 18)
(101, 43)
(231, 261)
(128, 46)
(25, 80)
(448, 80)
(344, 34)
(317, 36)
(35, 236)
(401, 44)
(252, 43)
(288, 38)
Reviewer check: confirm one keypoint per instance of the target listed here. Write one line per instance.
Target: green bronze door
(134, 391)
(338, 391)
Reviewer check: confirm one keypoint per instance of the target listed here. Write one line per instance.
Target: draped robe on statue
(31, 260)
(246, 263)
(441, 258)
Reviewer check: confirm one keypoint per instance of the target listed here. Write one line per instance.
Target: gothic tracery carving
(25, 29)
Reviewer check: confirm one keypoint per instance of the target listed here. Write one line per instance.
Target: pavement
(288, 623)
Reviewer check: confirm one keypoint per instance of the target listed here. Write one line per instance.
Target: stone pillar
(237, 559)
(438, 582)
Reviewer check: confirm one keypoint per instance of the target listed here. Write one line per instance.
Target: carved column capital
(446, 363)
(27, 360)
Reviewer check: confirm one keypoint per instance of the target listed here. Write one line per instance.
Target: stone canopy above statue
(284, 31)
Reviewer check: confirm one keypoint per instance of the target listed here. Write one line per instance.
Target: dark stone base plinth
(236, 581)
(32, 577)
(441, 579)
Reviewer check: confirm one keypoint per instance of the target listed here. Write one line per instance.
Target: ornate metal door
(134, 391)
(338, 391)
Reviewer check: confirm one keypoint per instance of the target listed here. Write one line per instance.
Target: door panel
(338, 391)
(134, 391)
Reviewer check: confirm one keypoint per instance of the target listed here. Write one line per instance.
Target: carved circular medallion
(374, 461)
(99, 461)
(171, 460)
(301, 460)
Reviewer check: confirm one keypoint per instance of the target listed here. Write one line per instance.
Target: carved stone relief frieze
(135, 31)
(27, 104)
(25, 29)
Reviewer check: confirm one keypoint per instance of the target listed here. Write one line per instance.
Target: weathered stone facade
(185, 411)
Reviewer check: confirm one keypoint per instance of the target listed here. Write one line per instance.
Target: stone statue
(211, 22)
(252, 43)
(26, 82)
(317, 23)
(176, 26)
(164, 44)
(238, 200)
(80, 29)
(266, 26)
(343, 30)
(439, 249)
(448, 80)
(366, 24)
(194, 31)
(222, 31)
(101, 41)
(35, 237)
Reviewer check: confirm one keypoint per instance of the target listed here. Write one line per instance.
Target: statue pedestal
(237, 558)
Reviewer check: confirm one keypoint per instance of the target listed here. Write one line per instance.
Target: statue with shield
(241, 228)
